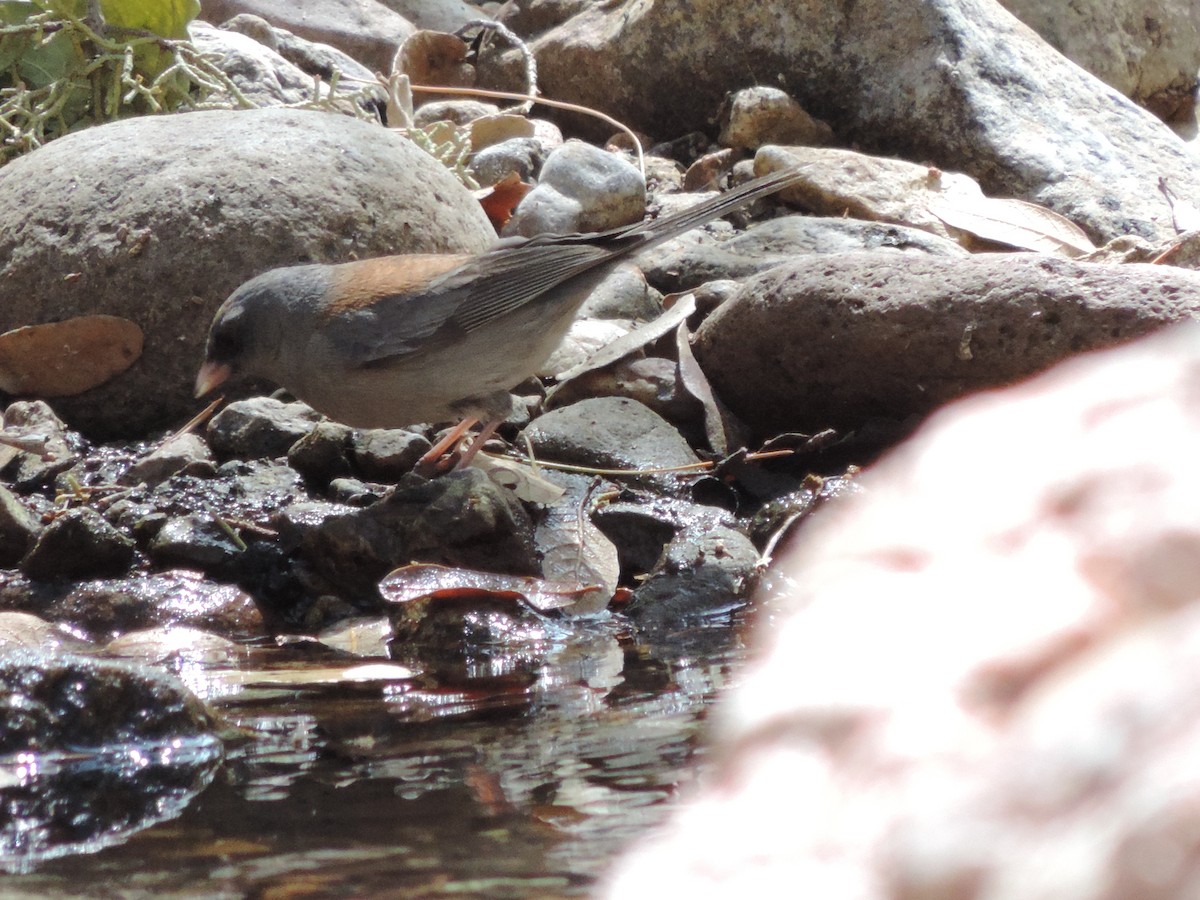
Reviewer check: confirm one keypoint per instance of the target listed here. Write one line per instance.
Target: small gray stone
(706, 569)
(79, 542)
(19, 528)
(582, 189)
(35, 420)
(521, 155)
(260, 428)
(623, 294)
(641, 530)
(460, 112)
(324, 453)
(765, 115)
(384, 454)
(353, 492)
(193, 542)
(185, 453)
(612, 433)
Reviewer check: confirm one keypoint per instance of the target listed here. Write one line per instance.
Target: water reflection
(55, 803)
(519, 775)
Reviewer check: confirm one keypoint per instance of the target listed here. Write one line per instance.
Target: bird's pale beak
(212, 375)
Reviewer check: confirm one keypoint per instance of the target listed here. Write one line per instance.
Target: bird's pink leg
(427, 465)
(477, 443)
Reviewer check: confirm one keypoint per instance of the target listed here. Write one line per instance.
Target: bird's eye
(226, 342)
(225, 346)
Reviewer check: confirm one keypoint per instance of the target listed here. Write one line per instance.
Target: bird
(393, 341)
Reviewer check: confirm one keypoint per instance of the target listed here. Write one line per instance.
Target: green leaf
(49, 61)
(14, 12)
(168, 18)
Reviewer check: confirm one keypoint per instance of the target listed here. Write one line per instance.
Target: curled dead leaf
(575, 551)
(435, 58)
(499, 200)
(519, 477)
(61, 359)
(489, 130)
(421, 581)
(683, 305)
(1017, 223)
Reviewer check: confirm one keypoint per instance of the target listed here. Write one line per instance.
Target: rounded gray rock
(158, 219)
(835, 341)
(612, 433)
(765, 115)
(581, 189)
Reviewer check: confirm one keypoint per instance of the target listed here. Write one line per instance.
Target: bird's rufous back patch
(359, 285)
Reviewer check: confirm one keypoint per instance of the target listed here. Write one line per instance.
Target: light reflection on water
(524, 781)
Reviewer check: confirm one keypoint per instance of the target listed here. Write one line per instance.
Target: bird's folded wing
(467, 298)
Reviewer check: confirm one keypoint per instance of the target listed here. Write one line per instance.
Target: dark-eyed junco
(398, 340)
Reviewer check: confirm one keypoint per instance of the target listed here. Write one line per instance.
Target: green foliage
(166, 18)
(63, 67)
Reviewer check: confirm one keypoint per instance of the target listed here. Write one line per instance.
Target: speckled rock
(1148, 50)
(766, 115)
(833, 341)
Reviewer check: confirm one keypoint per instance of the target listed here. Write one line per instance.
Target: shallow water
(522, 778)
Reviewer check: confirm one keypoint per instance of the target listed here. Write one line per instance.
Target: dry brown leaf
(682, 307)
(489, 130)
(422, 581)
(435, 58)
(721, 430)
(61, 359)
(1017, 223)
(575, 551)
(519, 477)
(499, 200)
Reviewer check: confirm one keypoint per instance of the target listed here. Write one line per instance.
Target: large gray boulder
(158, 219)
(960, 84)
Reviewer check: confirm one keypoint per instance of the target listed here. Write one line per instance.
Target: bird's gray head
(246, 338)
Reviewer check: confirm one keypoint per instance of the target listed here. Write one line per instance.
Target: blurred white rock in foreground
(985, 682)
